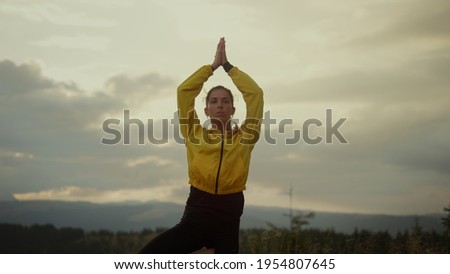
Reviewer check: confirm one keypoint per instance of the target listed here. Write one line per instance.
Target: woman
(218, 162)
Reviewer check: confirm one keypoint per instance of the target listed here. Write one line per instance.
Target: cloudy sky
(66, 66)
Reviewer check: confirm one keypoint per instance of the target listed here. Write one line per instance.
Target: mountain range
(153, 215)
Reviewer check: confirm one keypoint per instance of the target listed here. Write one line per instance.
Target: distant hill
(135, 217)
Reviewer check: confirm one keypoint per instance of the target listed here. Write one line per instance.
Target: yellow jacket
(218, 163)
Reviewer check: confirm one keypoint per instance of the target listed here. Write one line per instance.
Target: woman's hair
(219, 87)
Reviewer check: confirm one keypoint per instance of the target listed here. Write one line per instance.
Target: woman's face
(220, 106)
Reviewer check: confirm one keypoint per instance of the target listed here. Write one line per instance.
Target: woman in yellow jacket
(218, 162)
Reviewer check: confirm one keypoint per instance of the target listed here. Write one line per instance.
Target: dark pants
(210, 221)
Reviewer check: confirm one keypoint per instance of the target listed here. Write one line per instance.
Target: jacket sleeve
(186, 94)
(253, 97)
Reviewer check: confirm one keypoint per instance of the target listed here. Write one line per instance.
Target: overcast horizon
(67, 66)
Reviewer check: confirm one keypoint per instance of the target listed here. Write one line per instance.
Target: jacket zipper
(220, 164)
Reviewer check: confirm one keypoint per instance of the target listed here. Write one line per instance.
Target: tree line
(296, 239)
(36, 239)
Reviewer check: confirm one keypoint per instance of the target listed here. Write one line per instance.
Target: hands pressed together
(221, 55)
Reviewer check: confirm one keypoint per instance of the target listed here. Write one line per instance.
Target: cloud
(82, 41)
(51, 132)
(394, 149)
(136, 89)
(28, 96)
(384, 65)
(415, 23)
(422, 80)
(54, 13)
(33, 103)
(18, 79)
(149, 159)
(77, 194)
(12, 158)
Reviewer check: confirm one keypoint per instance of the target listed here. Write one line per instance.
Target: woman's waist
(202, 198)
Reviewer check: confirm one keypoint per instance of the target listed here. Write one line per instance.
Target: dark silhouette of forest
(297, 238)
